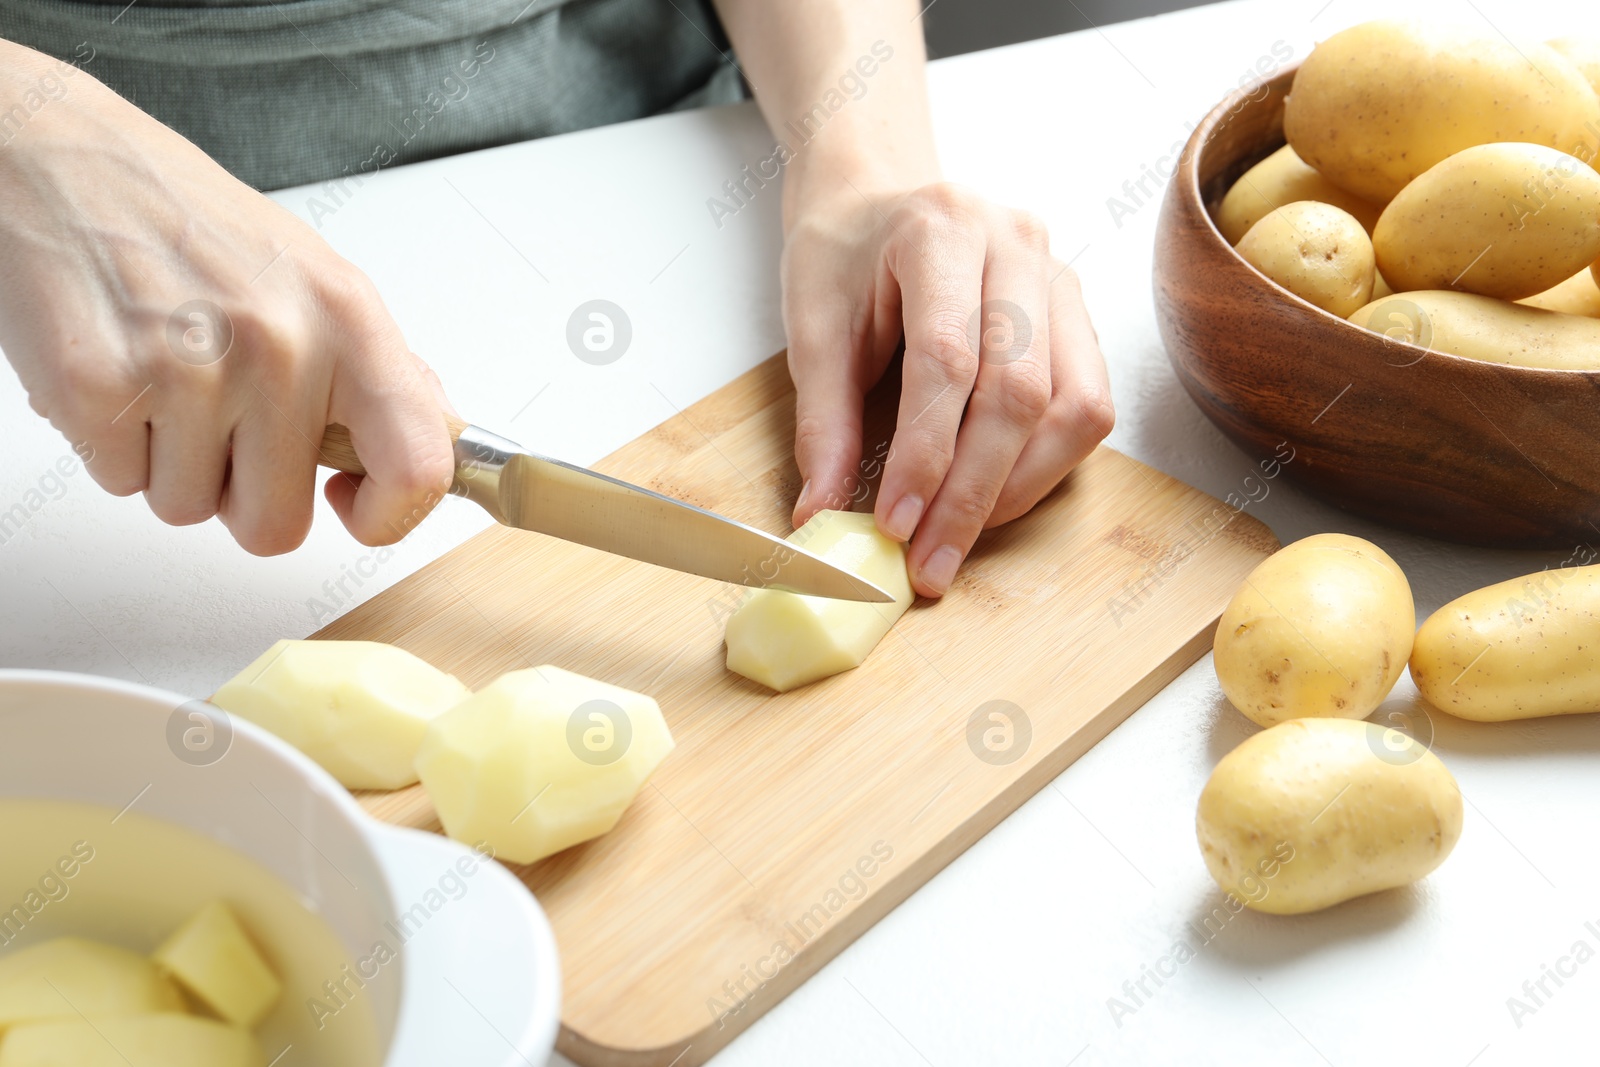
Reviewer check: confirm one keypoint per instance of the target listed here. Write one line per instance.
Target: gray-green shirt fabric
(310, 90)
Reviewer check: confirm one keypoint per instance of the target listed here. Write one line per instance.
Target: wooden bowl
(1439, 444)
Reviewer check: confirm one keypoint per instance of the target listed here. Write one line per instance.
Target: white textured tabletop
(1013, 954)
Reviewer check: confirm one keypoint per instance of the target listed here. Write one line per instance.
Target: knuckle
(1096, 412)
(1067, 277)
(1023, 391)
(970, 507)
(945, 341)
(1029, 229)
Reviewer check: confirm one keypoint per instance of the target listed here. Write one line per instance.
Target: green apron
(317, 90)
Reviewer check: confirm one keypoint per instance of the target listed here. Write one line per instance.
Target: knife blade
(527, 491)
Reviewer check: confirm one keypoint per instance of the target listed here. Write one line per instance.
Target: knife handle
(337, 452)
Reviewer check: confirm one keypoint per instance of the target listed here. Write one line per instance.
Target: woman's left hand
(1003, 391)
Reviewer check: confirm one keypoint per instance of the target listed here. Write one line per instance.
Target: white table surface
(1010, 954)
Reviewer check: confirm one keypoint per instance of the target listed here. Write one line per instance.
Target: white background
(1010, 954)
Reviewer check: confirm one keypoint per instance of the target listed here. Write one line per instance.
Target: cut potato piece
(212, 957)
(135, 1041)
(540, 760)
(72, 977)
(784, 640)
(359, 708)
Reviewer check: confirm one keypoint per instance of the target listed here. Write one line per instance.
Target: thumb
(827, 430)
(397, 428)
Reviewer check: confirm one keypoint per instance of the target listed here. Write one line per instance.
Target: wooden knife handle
(337, 452)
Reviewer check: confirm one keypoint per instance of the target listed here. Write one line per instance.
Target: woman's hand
(1003, 389)
(192, 337)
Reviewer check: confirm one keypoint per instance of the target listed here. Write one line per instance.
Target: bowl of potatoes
(1389, 259)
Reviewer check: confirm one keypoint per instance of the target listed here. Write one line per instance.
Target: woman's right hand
(191, 337)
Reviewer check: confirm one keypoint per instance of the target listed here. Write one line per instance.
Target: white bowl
(477, 984)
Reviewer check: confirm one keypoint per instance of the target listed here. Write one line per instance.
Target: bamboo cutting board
(781, 827)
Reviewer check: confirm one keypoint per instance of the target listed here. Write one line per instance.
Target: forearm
(841, 84)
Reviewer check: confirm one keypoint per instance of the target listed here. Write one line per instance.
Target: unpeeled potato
(1578, 295)
(1505, 220)
(1584, 53)
(1482, 327)
(1375, 105)
(1283, 178)
(1317, 252)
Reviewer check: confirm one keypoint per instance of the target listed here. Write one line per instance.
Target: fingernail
(903, 517)
(939, 569)
(805, 491)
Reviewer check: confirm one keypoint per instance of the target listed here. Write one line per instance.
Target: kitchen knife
(531, 492)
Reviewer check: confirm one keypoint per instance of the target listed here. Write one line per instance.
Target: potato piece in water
(70, 975)
(1317, 811)
(1578, 295)
(1283, 178)
(1515, 650)
(135, 1041)
(212, 957)
(1375, 105)
(784, 640)
(1321, 628)
(540, 760)
(1506, 220)
(1482, 327)
(359, 708)
(1317, 252)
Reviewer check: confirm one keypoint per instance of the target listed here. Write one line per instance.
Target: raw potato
(212, 957)
(1584, 53)
(783, 640)
(1283, 178)
(359, 708)
(1481, 327)
(540, 760)
(1321, 628)
(1375, 105)
(59, 979)
(1317, 252)
(135, 1041)
(1516, 650)
(1578, 295)
(1506, 220)
(1317, 811)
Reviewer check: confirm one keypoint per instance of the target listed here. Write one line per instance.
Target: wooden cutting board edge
(700, 1046)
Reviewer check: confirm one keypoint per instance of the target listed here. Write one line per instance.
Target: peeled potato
(70, 976)
(1505, 220)
(540, 760)
(1321, 628)
(784, 640)
(1317, 252)
(1316, 811)
(1377, 104)
(213, 958)
(1283, 178)
(1482, 327)
(359, 708)
(135, 1041)
(1578, 295)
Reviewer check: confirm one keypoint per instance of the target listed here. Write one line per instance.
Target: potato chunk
(212, 957)
(72, 977)
(784, 640)
(540, 760)
(135, 1041)
(359, 708)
